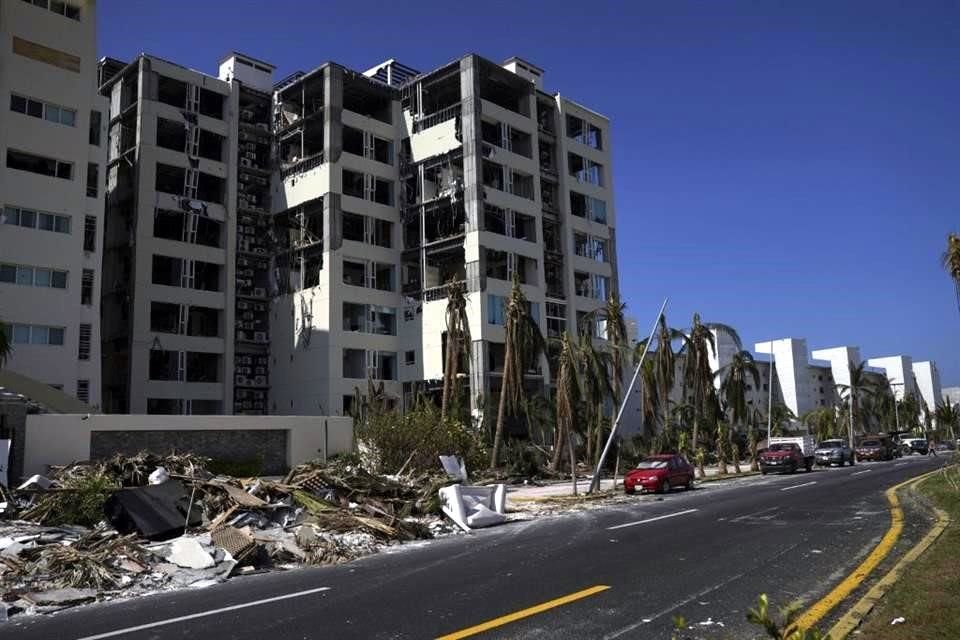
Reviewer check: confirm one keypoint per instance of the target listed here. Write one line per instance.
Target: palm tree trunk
(557, 449)
(573, 458)
(502, 409)
(589, 440)
(449, 375)
(598, 446)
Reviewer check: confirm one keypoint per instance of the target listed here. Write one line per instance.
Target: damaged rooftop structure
(285, 241)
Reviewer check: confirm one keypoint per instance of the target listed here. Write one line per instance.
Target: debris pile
(138, 524)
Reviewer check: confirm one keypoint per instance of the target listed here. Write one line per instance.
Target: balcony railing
(435, 118)
(302, 166)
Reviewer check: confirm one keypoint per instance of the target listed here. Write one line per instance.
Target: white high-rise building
(928, 383)
(53, 148)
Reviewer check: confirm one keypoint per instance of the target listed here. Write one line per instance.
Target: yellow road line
(852, 619)
(523, 613)
(820, 609)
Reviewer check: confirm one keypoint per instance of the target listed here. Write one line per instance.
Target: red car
(659, 473)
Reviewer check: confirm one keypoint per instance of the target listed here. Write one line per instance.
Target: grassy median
(928, 593)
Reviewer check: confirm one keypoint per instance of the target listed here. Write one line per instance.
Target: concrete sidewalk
(561, 488)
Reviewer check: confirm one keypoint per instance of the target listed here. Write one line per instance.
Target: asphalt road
(704, 554)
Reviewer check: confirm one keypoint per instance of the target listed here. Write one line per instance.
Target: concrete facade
(53, 149)
(928, 383)
(465, 173)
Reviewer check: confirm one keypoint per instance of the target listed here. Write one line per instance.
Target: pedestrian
(931, 449)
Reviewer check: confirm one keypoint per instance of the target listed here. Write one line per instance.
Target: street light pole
(773, 361)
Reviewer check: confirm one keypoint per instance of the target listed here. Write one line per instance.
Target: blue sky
(791, 169)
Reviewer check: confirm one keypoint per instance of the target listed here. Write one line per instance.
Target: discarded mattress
(474, 507)
(156, 511)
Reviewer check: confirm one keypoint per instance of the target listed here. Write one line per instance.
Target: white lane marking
(901, 464)
(203, 614)
(660, 614)
(669, 515)
(859, 472)
(797, 486)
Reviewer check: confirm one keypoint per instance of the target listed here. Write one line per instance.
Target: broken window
(203, 322)
(495, 220)
(597, 210)
(210, 188)
(353, 227)
(551, 236)
(547, 162)
(203, 367)
(166, 365)
(209, 232)
(554, 276)
(354, 363)
(170, 179)
(172, 92)
(545, 117)
(443, 266)
(521, 184)
(354, 317)
(382, 233)
(497, 264)
(383, 320)
(492, 175)
(581, 284)
(575, 129)
(354, 272)
(585, 170)
(211, 145)
(353, 141)
(601, 287)
(382, 150)
(521, 142)
(383, 276)
(171, 135)
(86, 287)
(353, 184)
(495, 310)
(383, 191)
(93, 179)
(578, 204)
(524, 227)
(211, 104)
(164, 317)
(206, 276)
(167, 271)
(364, 97)
(382, 365)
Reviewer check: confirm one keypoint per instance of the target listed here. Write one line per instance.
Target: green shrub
(419, 436)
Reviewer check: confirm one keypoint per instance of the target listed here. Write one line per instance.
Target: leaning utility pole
(595, 483)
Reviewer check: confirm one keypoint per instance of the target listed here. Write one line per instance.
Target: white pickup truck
(788, 454)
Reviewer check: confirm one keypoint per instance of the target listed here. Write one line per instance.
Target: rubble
(138, 524)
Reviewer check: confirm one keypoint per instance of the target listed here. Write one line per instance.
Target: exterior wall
(41, 81)
(928, 383)
(60, 439)
(899, 371)
(267, 445)
(142, 340)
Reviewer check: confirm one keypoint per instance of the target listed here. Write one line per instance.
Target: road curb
(821, 608)
(852, 618)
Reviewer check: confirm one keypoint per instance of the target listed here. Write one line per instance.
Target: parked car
(917, 445)
(787, 454)
(834, 451)
(875, 449)
(660, 473)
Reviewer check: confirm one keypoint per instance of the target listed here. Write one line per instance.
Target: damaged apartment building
(285, 242)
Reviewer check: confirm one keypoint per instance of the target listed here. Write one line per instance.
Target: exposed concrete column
(473, 194)
(479, 381)
(332, 115)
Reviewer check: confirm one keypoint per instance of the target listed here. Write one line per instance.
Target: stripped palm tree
(458, 342)
(853, 393)
(698, 345)
(734, 378)
(664, 368)
(593, 367)
(568, 394)
(611, 314)
(948, 417)
(523, 345)
(822, 423)
(951, 262)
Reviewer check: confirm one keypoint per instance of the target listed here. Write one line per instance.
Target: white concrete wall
(928, 383)
(60, 439)
(899, 371)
